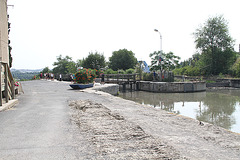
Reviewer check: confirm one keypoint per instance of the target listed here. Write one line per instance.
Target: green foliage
(147, 76)
(121, 71)
(71, 67)
(46, 70)
(130, 71)
(215, 45)
(64, 65)
(220, 75)
(210, 81)
(24, 76)
(155, 61)
(98, 73)
(79, 63)
(94, 61)
(122, 59)
(110, 71)
(235, 70)
(192, 71)
(85, 76)
(9, 47)
(170, 61)
(187, 70)
(10, 55)
(139, 69)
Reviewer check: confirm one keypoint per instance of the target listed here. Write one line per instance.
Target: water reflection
(217, 107)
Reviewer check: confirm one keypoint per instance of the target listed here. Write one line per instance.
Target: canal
(218, 107)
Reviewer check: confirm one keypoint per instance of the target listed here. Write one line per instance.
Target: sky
(41, 30)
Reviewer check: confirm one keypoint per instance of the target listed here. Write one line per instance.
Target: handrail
(119, 78)
(9, 87)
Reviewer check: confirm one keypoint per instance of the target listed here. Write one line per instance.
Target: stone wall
(171, 86)
(235, 83)
(219, 84)
(112, 89)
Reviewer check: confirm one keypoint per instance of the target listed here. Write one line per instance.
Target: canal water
(219, 107)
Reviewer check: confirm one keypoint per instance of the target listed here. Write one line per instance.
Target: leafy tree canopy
(64, 65)
(122, 59)
(46, 70)
(168, 61)
(94, 61)
(215, 45)
(79, 63)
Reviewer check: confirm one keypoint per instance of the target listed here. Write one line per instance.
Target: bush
(235, 70)
(147, 76)
(110, 71)
(98, 73)
(187, 70)
(130, 71)
(121, 71)
(85, 76)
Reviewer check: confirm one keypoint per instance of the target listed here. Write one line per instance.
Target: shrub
(85, 76)
(98, 73)
(147, 76)
(110, 71)
(121, 71)
(235, 70)
(130, 71)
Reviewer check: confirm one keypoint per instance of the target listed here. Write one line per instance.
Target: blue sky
(41, 30)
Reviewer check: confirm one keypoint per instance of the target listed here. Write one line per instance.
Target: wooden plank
(6, 83)
(13, 89)
(9, 94)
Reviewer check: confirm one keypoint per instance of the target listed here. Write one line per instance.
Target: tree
(168, 61)
(235, 70)
(9, 47)
(171, 61)
(79, 63)
(94, 61)
(215, 44)
(122, 59)
(46, 70)
(71, 67)
(163, 62)
(64, 65)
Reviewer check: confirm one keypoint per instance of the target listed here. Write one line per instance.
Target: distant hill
(25, 74)
(26, 70)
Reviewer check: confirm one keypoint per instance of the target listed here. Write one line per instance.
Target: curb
(8, 105)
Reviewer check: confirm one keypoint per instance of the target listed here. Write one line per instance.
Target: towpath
(52, 121)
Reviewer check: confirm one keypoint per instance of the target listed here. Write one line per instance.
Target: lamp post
(160, 41)
(160, 52)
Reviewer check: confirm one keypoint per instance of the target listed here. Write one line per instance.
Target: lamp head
(155, 30)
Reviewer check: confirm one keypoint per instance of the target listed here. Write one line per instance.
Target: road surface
(53, 121)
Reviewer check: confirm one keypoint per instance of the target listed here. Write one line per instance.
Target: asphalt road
(40, 127)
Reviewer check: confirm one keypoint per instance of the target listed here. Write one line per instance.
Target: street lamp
(160, 41)
(160, 52)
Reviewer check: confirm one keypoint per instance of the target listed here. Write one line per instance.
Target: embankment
(189, 138)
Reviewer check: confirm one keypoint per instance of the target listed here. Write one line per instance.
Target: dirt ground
(116, 138)
(121, 129)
